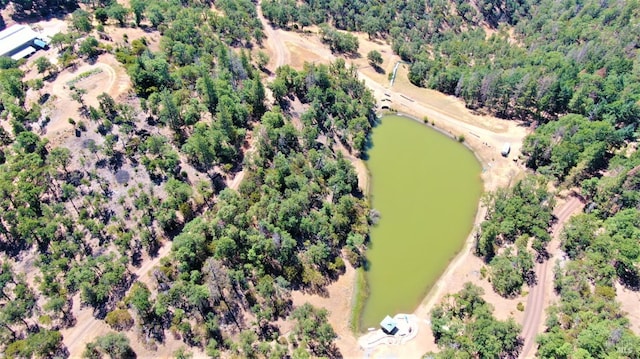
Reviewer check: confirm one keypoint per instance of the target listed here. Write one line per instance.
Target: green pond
(426, 187)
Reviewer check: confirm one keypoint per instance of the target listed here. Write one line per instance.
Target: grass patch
(359, 298)
(83, 76)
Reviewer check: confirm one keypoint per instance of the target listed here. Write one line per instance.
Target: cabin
(20, 41)
(506, 148)
(389, 325)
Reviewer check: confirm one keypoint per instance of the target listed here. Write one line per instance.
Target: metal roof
(40, 43)
(23, 53)
(15, 37)
(388, 324)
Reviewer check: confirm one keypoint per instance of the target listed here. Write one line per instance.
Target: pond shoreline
(360, 285)
(438, 192)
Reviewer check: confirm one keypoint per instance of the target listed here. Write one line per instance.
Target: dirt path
(484, 135)
(88, 327)
(281, 55)
(338, 301)
(540, 294)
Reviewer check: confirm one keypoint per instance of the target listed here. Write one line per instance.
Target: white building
(19, 41)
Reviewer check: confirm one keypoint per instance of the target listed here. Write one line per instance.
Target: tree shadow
(44, 13)
(101, 163)
(333, 352)
(136, 257)
(368, 145)
(353, 55)
(542, 255)
(629, 277)
(44, 98)
(530, 278)
(378, 69)
(91, 60)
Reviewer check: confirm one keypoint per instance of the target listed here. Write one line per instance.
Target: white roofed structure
(17, 41)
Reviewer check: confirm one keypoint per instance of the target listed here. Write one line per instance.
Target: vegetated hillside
(570, 67)
(542, 59)
(151, 168)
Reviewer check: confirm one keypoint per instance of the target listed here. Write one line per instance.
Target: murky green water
(426, 187)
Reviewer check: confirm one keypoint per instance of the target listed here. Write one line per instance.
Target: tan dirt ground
(630, 303)
(338, 303)
(60, 107)
(498, 172)
(88, 327)
(485, 135)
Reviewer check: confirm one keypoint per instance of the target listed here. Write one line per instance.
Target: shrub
(119, 319)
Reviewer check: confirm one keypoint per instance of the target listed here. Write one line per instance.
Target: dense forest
(542, 58)
(570, 68)
(84, 222)
(75, 223)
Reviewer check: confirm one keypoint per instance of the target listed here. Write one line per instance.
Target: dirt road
(88, 327)
(538, 299)
(402, 101)
(282, 55)
(411, 103)
(498, 172)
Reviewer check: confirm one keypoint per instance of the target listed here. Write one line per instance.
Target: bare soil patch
(337, 300)
(106, 76)
(300, 55)
(151, 36)
(485, 135)
(630, 303)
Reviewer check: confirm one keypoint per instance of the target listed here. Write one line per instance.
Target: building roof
(14, 37)
(23, 53)
(388, 324)
(40, 43)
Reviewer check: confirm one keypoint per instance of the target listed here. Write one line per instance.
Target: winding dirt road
(421, 106)
(540, 293)
(88, 327)
(282, 54)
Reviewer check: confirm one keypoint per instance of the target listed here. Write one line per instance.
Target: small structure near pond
(388, 325)
(393, 331)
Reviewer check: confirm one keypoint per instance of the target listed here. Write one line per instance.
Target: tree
(119, 319)
(101, 15)
(312, 327)
(43, 64)
(464, 321)
(81, 21)
(43, 344)
(506, 276)
(89, 47)
(375, 58)
(118, 12)
(138, 7)
(115, 345)
(59, 157)
(139, 299)
(263, 59)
